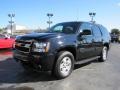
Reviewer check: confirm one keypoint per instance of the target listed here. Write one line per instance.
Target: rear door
(85, 45)
(98, 41)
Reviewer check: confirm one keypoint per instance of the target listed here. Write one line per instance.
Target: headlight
(41, 47)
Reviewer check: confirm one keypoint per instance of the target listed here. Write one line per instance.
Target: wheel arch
(107, 45)
(69, 49)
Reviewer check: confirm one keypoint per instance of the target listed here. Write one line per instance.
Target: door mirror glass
(86, 32)
(6, 37)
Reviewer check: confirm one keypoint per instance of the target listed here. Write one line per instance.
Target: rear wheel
(103, 56)
(64, 64)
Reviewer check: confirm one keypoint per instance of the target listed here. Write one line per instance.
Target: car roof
(79, 22)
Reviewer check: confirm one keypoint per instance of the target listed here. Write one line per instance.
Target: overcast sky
(32, 13)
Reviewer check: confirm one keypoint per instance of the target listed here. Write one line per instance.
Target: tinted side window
(96, 31)
(67, 28)
(58, 28)
(86, 27)
(104, 31)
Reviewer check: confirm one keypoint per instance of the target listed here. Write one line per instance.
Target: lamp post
(11, 21)
(49, 16)
(92, 15)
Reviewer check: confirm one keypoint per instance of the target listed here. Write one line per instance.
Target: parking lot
(89, 76)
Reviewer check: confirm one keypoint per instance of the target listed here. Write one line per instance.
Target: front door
(85, 42)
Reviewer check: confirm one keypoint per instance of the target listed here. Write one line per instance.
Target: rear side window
(104, 31)
(96, 31)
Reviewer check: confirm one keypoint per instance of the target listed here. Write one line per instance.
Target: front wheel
(64, 64)
(103, 56)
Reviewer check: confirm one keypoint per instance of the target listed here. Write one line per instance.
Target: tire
(64, 65)
(103, 56)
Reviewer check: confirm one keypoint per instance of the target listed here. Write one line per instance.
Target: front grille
(23, 46)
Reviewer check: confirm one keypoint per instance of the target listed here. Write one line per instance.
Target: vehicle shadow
(17, 88)
(12, 72)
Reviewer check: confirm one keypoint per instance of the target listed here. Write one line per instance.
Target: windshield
(67, 28)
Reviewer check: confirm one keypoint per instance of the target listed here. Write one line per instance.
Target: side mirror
(6, 38)
(86, 32)
(80, 38)
(80, 33)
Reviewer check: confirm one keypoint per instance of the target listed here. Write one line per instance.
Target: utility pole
(92, 15)
(49, 17)
(11, 21)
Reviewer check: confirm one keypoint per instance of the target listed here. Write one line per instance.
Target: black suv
(64, 45)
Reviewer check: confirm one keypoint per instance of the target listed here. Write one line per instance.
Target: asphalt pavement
(90, 76)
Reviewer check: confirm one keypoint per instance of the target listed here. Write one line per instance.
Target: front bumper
(43, 62)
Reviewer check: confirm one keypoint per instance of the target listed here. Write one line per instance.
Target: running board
(86, 60)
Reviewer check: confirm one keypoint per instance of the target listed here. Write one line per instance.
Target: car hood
(37, 36)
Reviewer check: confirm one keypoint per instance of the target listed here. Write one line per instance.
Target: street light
(49, 16)
(11, 21)
(92, 15)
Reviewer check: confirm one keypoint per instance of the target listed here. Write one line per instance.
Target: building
(17, 29)
(20, 30)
